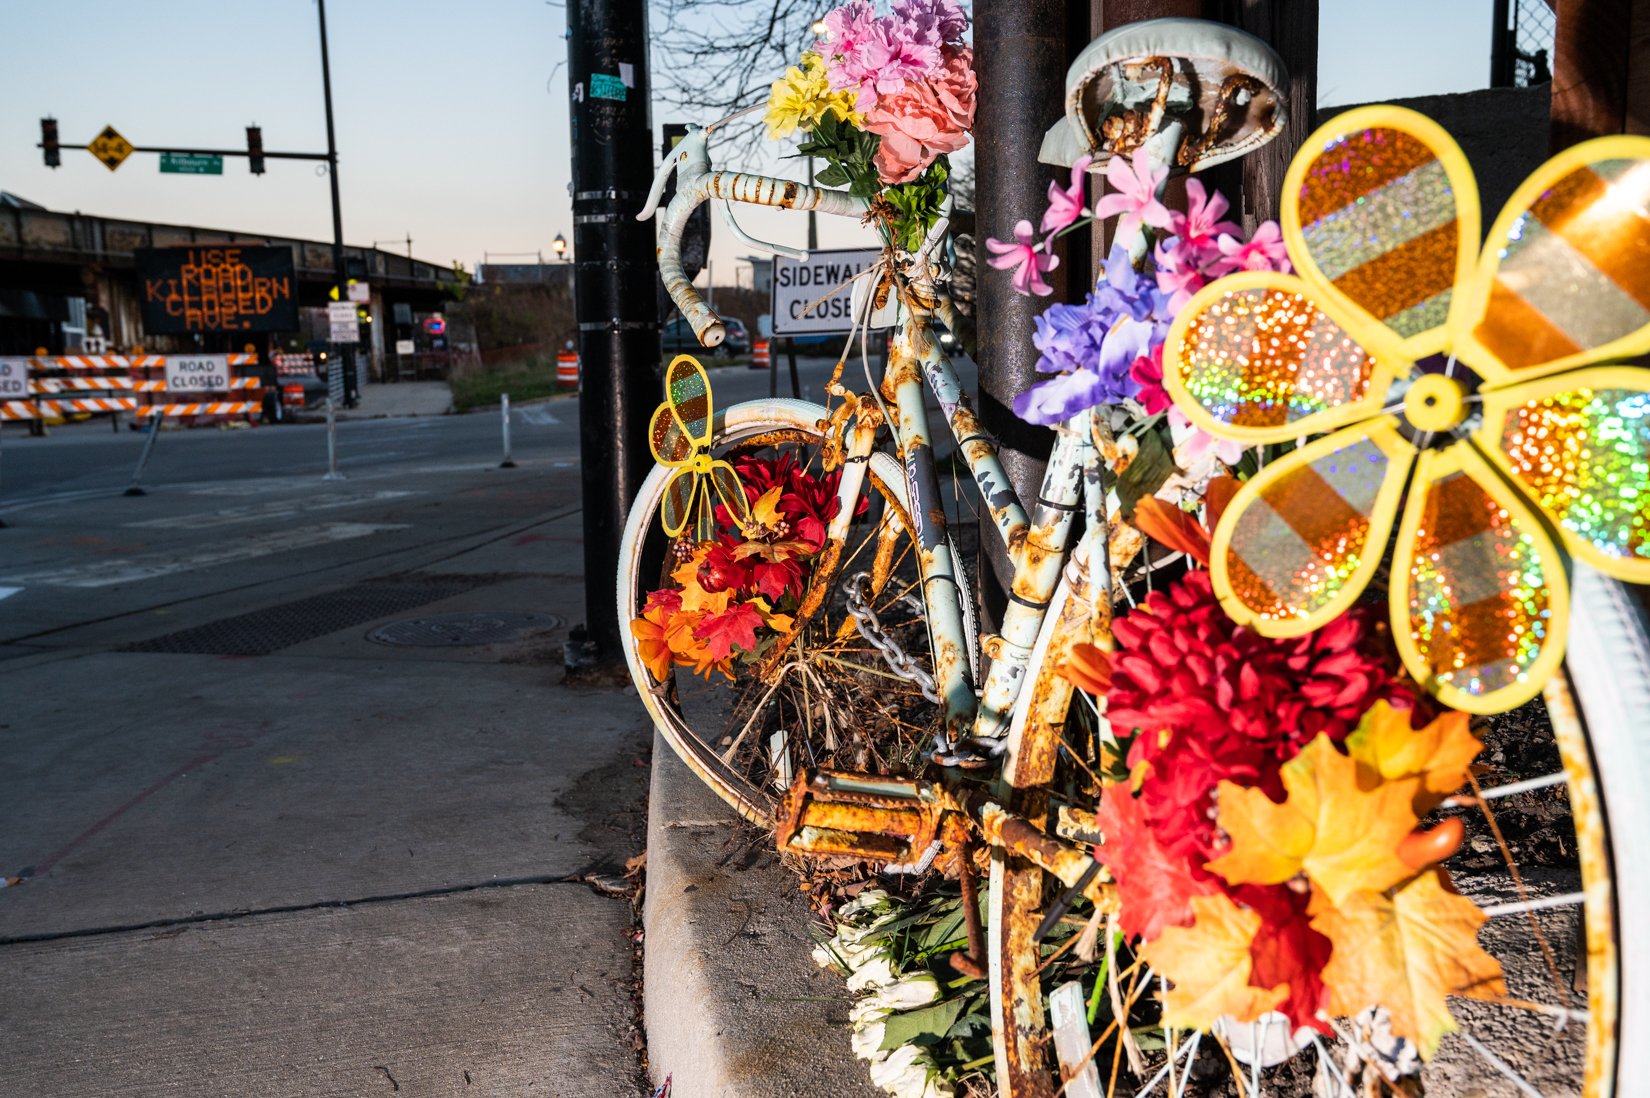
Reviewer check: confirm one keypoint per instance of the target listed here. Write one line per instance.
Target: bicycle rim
(1595, 708)
(724, 731)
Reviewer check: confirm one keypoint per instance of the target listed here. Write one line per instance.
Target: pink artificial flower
(892, 61)
(1066, 206)
(926, 118)
(1264, 251)
(1135, 184)
(1147, 372)
(1025, 259)
(1201, 224)
(848, 30)
(936, 21)
(1178, 273)
(1196, 447)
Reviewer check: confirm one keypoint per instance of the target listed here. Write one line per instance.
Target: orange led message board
(218, 288)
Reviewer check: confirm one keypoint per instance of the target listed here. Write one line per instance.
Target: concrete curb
(733, 1004)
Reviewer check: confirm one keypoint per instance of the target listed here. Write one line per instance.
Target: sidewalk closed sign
(798, 285)
(14, 379)
(197, 373)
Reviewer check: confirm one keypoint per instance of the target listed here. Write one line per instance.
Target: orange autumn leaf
(1438, 754)
(1406, 952)
(1344, 838)
(1208, 964)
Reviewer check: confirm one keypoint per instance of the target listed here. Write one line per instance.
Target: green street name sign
(191, 163)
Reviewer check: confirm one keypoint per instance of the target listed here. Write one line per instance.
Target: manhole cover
(457, 630)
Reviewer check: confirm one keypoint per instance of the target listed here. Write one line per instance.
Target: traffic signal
(48, 142)
(255, 149)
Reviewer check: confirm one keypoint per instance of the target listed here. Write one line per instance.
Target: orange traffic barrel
(759, 355)
(292, 396)
(567, 368)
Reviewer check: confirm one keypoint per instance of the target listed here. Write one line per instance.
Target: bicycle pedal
(867, 816)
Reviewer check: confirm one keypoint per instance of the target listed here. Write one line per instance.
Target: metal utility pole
(340, 277)
(1019, 51)
(614, 258)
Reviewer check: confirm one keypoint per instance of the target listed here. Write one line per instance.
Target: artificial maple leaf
(1287, 950)
(1407, 951)
(1343, 837)
(1438, 754)
(1155, 885)
(734, 627)
(1208, 963)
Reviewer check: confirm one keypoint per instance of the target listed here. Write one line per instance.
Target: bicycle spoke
(1501, 1065)
(1538, 903)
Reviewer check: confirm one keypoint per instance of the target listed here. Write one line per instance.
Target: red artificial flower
(1287, 950)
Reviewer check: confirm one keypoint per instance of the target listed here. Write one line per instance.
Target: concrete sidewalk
(391, 400)
(341, 868)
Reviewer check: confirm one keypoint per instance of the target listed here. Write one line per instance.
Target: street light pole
(615, 265)
(340, 277)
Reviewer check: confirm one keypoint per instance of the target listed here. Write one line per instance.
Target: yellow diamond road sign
(110, 147)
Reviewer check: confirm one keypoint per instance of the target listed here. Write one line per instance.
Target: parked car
(677, 338)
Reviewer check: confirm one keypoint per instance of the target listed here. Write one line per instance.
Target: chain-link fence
(1534, 25)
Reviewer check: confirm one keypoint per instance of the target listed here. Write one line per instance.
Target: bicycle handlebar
(695, 182)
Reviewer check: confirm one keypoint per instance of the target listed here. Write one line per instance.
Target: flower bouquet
(883, 99)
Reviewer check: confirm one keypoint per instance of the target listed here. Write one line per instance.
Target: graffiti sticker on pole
(798, 285)
(197, 373)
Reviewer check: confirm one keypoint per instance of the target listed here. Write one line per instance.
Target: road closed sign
(14, 379)
(197, 373)
(798, 285)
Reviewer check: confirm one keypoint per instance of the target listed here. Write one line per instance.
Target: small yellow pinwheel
(1466, 383)
(679, 435)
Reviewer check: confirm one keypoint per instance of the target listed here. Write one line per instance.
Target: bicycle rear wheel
(853, 689)
(1575, 979)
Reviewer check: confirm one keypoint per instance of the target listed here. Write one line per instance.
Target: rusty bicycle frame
(1000, 724)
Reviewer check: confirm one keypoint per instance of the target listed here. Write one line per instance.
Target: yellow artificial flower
(1441, 373)
(799, 99)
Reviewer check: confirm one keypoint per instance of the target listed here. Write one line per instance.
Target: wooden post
(1593, 62)
(1291, 28)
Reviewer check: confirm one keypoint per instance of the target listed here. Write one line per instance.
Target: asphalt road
(250, 849)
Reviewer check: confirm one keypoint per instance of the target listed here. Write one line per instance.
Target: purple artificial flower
(1025, 259)
(1124, 290)
(1105, 356)
(1065, 206)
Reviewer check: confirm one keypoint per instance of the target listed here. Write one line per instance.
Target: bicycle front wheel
(1557, 855)
(851, 688)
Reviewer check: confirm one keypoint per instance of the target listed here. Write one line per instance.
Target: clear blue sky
(451, 117)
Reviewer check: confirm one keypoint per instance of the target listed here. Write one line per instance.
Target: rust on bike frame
(870, 816)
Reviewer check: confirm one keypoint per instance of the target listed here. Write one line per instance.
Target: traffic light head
(255, 149)
(48, 142)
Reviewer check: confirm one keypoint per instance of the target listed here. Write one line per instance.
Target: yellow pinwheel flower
(1460, 385)
(679, 435)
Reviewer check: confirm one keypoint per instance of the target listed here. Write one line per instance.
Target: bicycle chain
(870, 627)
